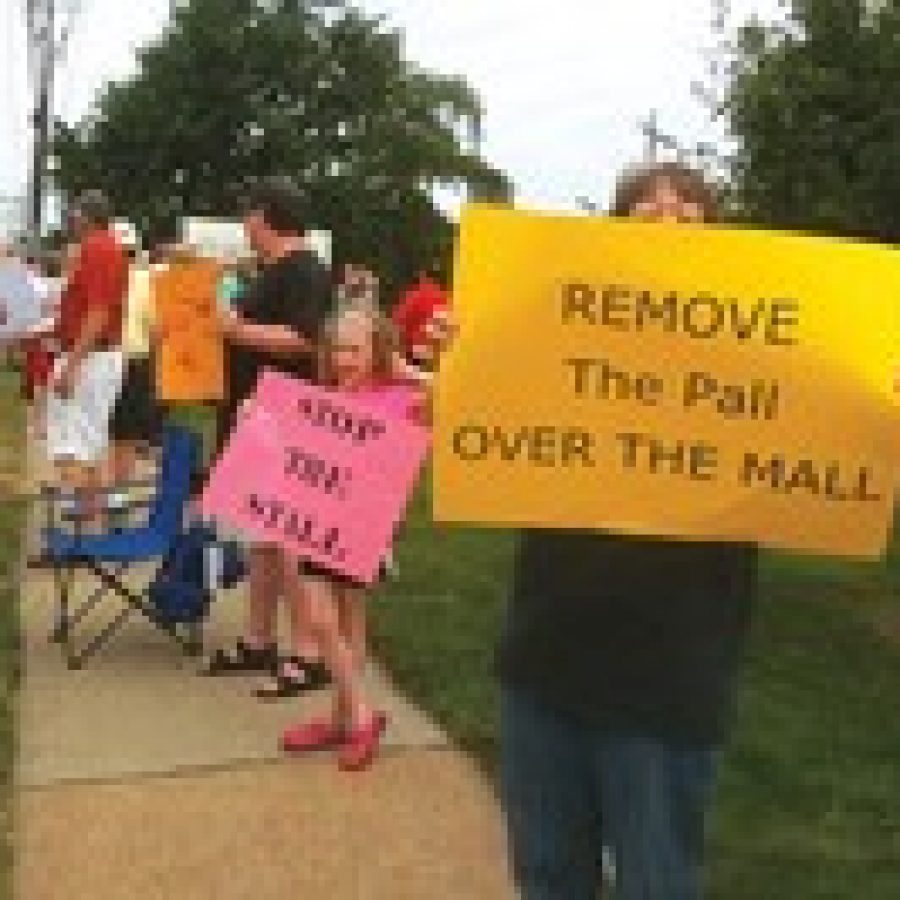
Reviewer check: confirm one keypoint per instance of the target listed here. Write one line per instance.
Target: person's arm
(277, 339)
(403, 370)
(422, 407)
(92, 329)
(295, 333)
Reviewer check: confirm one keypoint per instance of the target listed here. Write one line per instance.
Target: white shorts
(78, 426)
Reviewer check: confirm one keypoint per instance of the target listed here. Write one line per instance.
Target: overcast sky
(564, 88)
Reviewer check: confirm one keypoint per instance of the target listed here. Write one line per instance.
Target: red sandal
(361, 744)
(320, 734)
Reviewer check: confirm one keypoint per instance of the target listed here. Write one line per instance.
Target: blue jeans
(577, 796)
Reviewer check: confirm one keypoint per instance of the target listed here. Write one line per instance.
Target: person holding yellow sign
(618, 668)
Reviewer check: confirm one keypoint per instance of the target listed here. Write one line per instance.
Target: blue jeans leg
(653, 798)
(546, 781)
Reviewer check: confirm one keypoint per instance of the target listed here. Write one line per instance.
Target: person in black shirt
(617, 669)
(276, 327)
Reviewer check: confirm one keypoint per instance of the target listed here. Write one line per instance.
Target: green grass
(12, 432)
(436, 625)
(809, 798)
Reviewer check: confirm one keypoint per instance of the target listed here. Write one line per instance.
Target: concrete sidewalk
(139, 779)
(419, 826)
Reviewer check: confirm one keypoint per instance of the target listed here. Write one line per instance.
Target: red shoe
(360, 745)
(319, 734)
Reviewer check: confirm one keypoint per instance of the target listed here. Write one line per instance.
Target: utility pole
(41, 17)
(47, 43)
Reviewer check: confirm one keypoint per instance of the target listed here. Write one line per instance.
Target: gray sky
(565, 86)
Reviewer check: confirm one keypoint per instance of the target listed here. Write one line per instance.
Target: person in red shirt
(422, 316)
(38, 349)
(35, 349)
(88, 373)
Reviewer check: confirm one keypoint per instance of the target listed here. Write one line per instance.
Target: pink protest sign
(325, 475)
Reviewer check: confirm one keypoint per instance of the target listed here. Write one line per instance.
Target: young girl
(357, 356)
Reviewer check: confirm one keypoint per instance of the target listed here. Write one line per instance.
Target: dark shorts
(137, 416)
(316, 571)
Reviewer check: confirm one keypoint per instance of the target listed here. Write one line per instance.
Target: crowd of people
(620, 654)
(92, 380)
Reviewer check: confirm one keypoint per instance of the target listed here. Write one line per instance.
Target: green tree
(814, 103)
(235, 90)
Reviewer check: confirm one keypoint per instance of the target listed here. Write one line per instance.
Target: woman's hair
(691, 185)
(384, 343)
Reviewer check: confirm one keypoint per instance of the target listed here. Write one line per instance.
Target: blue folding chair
(108, 556)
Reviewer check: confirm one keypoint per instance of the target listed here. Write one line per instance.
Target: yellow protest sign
(191, 360)
(672, 380)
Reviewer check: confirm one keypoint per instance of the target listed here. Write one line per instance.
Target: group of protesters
(620, 654)
(282, 311)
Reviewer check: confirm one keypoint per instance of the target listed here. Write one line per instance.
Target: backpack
(198, 565)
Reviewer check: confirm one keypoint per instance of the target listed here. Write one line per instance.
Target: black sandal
(242, 659)
(312, 676)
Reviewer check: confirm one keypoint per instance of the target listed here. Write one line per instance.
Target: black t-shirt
(631, 632)
(295, 292)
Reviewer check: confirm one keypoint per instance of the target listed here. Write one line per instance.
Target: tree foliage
(814, 103)
(235, 90)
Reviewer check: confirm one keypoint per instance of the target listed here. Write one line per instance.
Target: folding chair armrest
(131, 483)
(43, 561)
(56, 492)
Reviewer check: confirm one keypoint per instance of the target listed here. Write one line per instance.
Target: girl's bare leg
(350, 708)
(353, 624)
(264, 564)
(303, 639)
